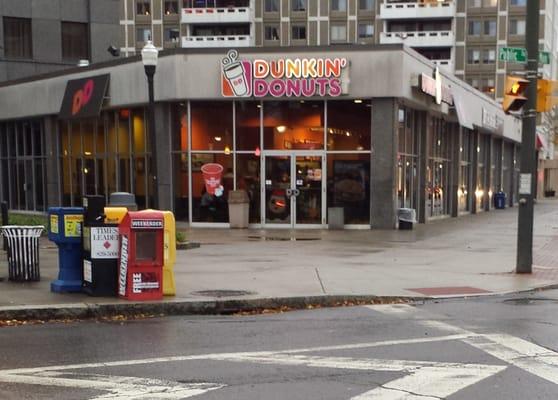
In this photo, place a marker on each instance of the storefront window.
(482, 166)
(212, 179)
(464, 189)
(212, 125)
(438, 170)
(100, 156)
(407, 164)
(248, 125)
(22, 160)
(180, 161)
(296, 125)
(348, 186)
(348, 125)
(248, 178)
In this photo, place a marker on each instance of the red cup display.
(212, 176)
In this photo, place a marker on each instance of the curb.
(210, 307)
(223, 307)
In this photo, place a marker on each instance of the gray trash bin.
(123, 199)
(406, 218)
(23, 252)
(239, 206)
(336, 218)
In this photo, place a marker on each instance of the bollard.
(4, 211)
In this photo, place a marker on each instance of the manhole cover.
(222, 293)
(528, 302)
(283, 239)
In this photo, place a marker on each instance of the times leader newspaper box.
(140, 264)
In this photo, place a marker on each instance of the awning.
(460, 103)
(540, 142)
(84, 97)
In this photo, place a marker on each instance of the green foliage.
(180, 237)
(27, 219)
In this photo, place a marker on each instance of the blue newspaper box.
(499, 200)
(64, 229)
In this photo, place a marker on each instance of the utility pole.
(528, 162)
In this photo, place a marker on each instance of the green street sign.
(513, 54)
(544, 57)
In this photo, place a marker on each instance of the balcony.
(419, 38)
(215, 15)
(424, 9)
(217, 41)
(446, 65)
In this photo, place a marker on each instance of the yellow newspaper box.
(114, 215)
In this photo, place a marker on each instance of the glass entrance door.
(293, 189)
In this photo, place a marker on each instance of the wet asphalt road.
(488, 348)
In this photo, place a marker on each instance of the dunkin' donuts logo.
(82, 96)
(284, 77)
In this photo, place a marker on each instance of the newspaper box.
(141, 256)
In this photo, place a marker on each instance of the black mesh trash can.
(23, 252)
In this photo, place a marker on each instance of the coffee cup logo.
(236, 76)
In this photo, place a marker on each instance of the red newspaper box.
(141, 256)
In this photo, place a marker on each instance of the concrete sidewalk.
(246, 269)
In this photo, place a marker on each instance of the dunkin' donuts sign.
(283, 77)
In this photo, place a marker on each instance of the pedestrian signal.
(514, 94)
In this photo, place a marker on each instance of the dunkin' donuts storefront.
(302, 131)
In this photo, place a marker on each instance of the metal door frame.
(293, 154)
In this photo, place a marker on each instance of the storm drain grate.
(282, 239)
(223, 293)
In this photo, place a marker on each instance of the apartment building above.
(43, 36)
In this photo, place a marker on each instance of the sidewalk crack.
(320, 280)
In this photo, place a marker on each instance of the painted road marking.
(118, 387)
(423, 380)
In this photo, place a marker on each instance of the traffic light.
(514, 94)
(544, 90)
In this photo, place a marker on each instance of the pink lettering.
(322, 86)
(334, 87)
(308, 87)
(293, 88)
(277, 88)
(261, 88)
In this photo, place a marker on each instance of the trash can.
(336, 217)
(23, 252)
(406, 218)
(239, 205)
(499, 200)
(123, 199)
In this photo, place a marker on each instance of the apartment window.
(490, 3)
(171, 7)
(271, 32)
(490, 28)
(338, 5)
(489, 56)
(271, 5)
(299, 5)
(474, 82)
(517, 27)
(366, 4)
(143, 34)
(475, 3)
(473, 56)
(488, 86)
(338, 33)
(518, 3)
(365, 31)
(298, 32)
(474, 28)
(143, 7)
(75, 41)
(17, 38)
(172, 34)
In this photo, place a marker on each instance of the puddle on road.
(528, 301)
(223, 293)
(282, 239)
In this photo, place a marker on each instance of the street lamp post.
(149, 55)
